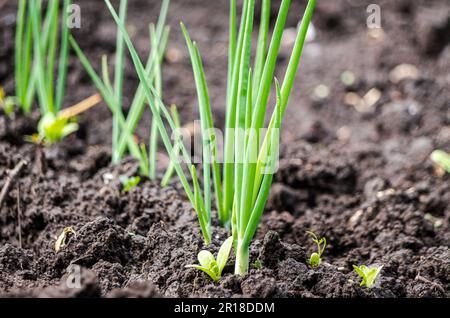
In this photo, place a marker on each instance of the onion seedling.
(158, 110)
(36, 54)
(171, 169)
(209, 265)
(250, 157)
(123, 128)
(316, 258)
(442, 159)
(36, 63)
(368, 274)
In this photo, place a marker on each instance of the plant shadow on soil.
(362, 180)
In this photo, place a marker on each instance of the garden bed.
(361, 179)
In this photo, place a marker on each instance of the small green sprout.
(128, 183)
(316, 258)
(41, 54)
(368, 274)
(6, 103)
(442, 159)
(8, 106)
(257, 264)
(52, 128)
(210, 265)
(437, 223)
(63, 238)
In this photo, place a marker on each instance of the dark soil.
(362, 180)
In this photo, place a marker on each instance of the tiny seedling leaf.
(206, 259)
(257, 264)
(224, 254)
(442, 159)
(369, 275)
(128, 183)
(52, 129)
(209, 265)
(6, 103)
(316, 258)
(205, 270)
(62, 239)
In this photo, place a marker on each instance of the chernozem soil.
(361, 179)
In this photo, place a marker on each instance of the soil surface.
(360, 176)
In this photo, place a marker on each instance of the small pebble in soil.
(363, 104)
(375, 35)
(344, 134)
(173, 55)
(348, 78)
(404, 71)
(321, 92)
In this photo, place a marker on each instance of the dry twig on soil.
(10, 178)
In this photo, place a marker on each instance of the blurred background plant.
(123, 137)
